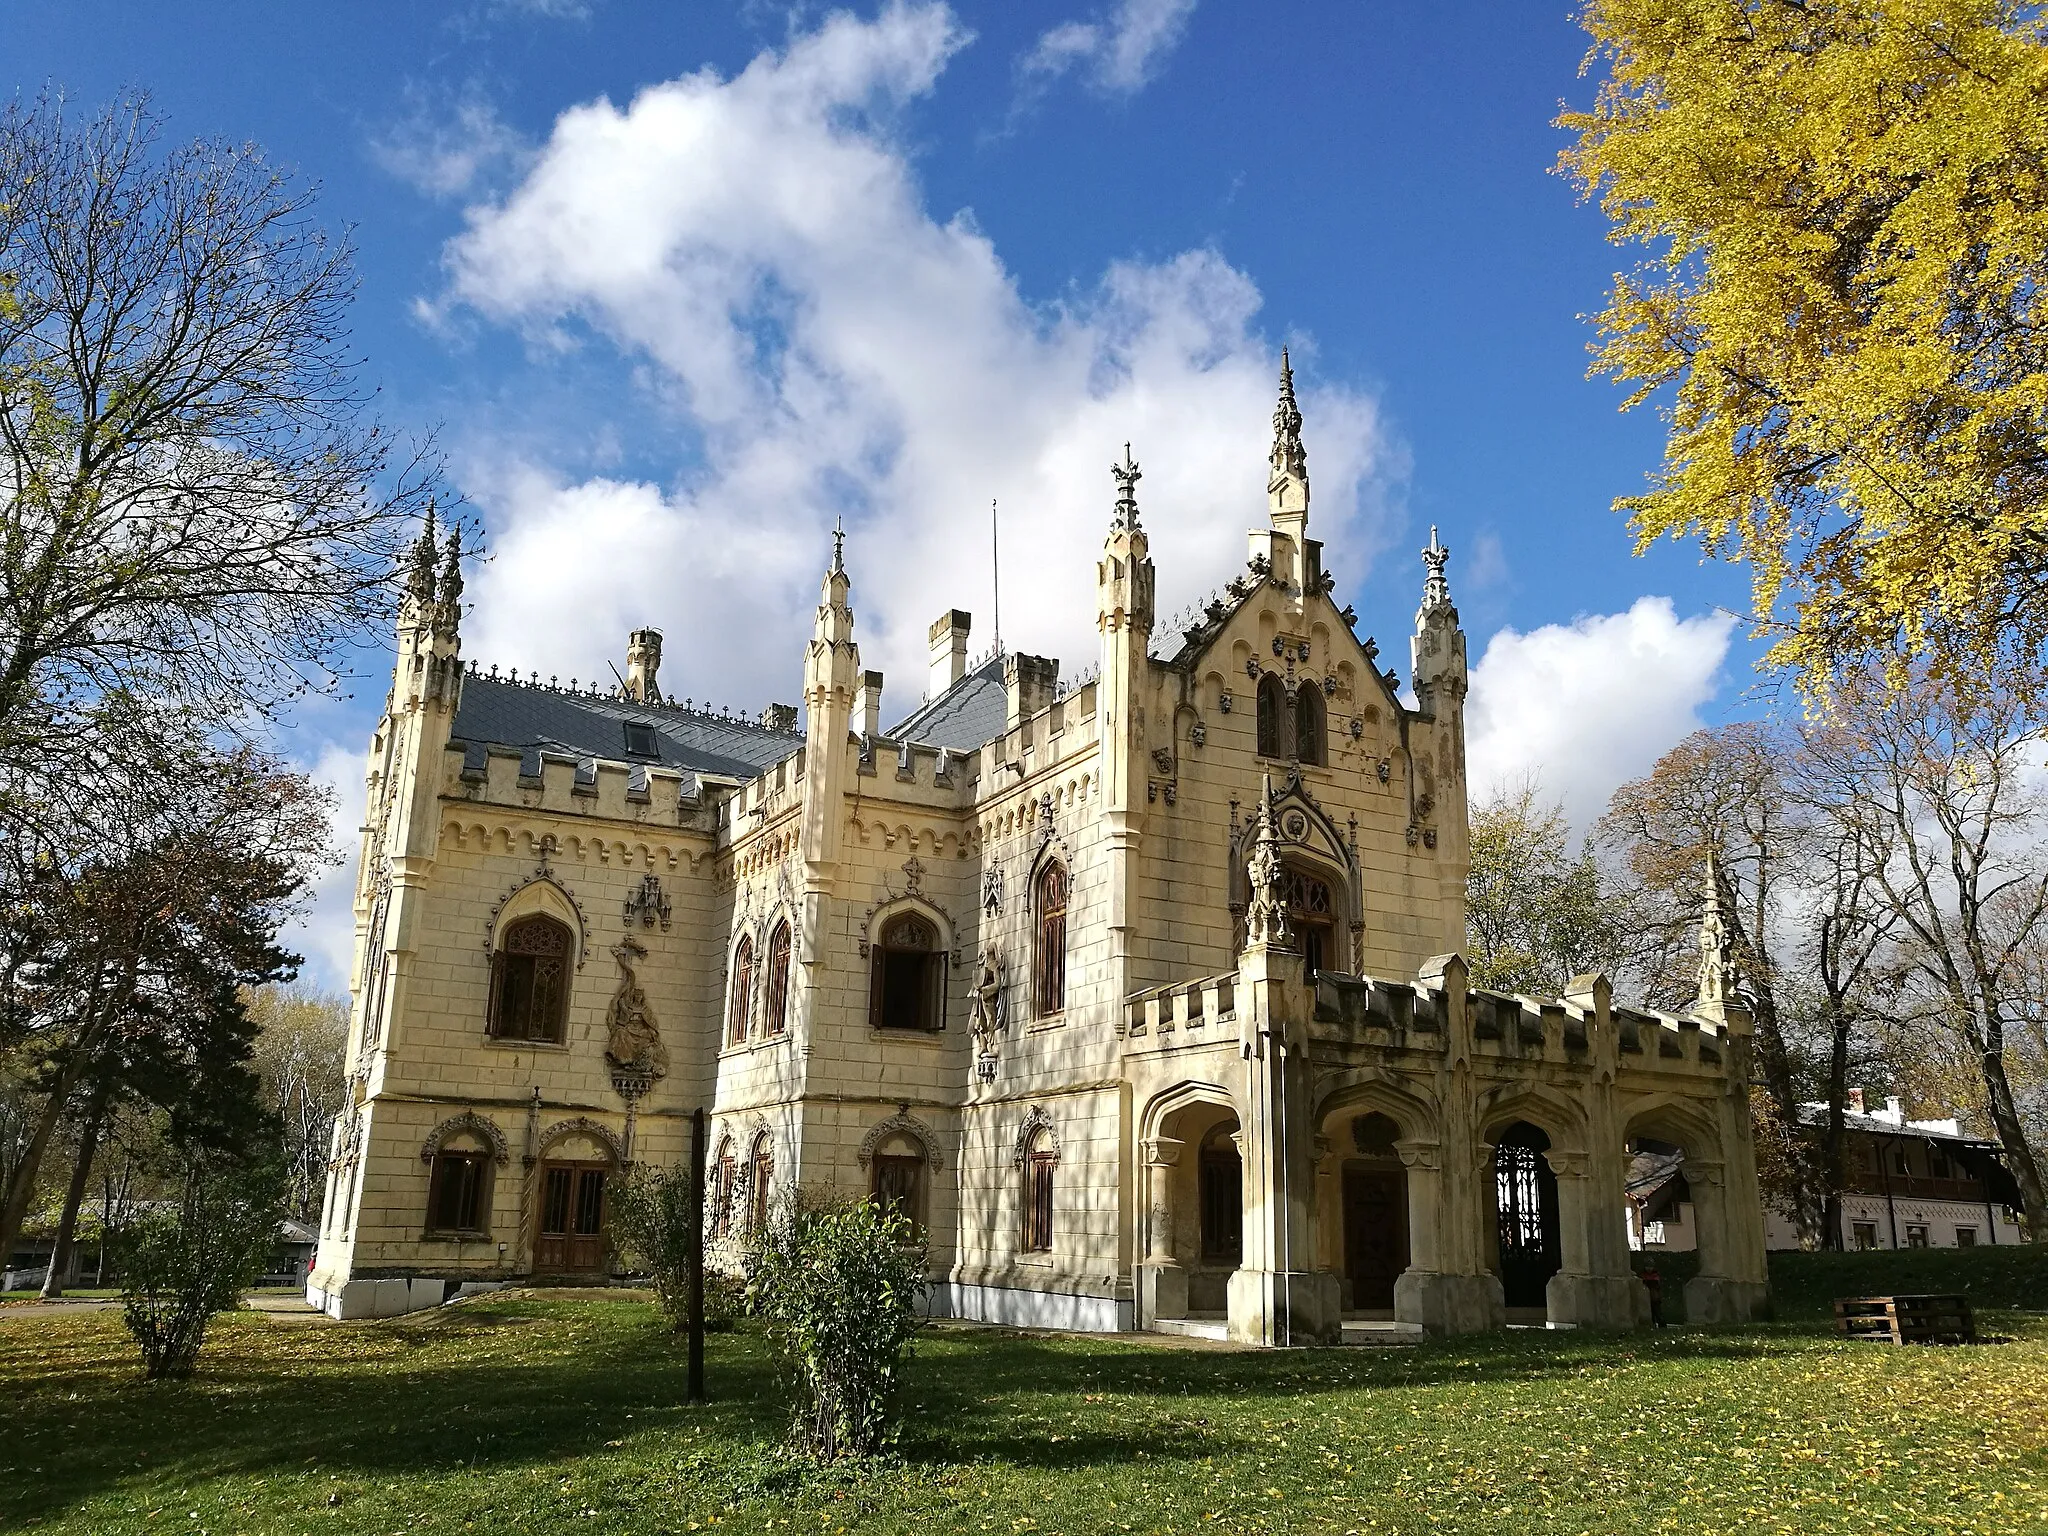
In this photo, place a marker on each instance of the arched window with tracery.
(742, 998)
(1272, 717)
(1309, 735)
(896, 1177)
(1040, 1159)
(1049, 961)
(725, 1178)
(775, 1015)
(530, 981)
(907, 975)
(1312, 914)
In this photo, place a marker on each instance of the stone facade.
(1142, 992)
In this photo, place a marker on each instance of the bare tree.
(1933, 776)
(194, 504)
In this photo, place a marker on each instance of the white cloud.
(758, 246)
(1119, 51)
(1585, 707)
(326, 935)
(445, 148)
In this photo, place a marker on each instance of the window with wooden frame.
(760, 1191)
(1312, 914)
(775, 1015)
(530, 981)
(725, 1174)
(1049, 959)
(1272, 717)
(1222, 1190)
(907, 976)
(1310, 739)
(742, 993)
(1039, 1161)
(456, 1192)
(896, 1178)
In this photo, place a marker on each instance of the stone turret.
(1124, 579)
(643, 663)
(833, 688)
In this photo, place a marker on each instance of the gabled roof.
(971, 713)
(505, 714)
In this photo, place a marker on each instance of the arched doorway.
(572, 1191)
(1525, 1197)
(1375, 1195)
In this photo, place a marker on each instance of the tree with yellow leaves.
(1843, 311)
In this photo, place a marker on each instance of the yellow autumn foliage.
(1845, 205)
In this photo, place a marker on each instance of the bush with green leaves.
(838, 1282)
(652, 1211)
(179, 1266)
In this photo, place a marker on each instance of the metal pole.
(995, 565)
(696, 1386)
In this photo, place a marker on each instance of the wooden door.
(572, 1211)
(1375, 1235)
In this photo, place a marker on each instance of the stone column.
(1162, 1282)
(1714, 1295)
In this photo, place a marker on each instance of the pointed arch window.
(1312, 914)
(1049, 970)
(725, 1178)
(906, 976)
(530, 981)
(742, 993)
(1310, 737)
(1272, 717)
(775, 1016)
(1040, 1159)
(761, 1190)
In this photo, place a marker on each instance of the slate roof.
(971, 713)
(503, 714)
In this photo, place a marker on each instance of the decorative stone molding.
(469, 1122)
(603, 1135)
(904, 1123)
(1039, 1119)
(541, 876)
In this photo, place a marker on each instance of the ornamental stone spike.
(1127, 476)
(419, 585)
(1436, 588)
(1290, 457)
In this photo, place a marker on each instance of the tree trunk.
(63, 1257)
(1832, 1138)
(2012, 1136)
(14, 1210)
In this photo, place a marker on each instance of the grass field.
(538, 1413)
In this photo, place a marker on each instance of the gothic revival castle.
(1141, 996)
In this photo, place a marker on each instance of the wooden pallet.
(1906, 1319)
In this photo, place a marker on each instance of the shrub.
(839, 1282)
(651, 1214)
(180, 1267)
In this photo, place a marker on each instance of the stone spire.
(448, 607)
(1290, 458)
(1436, 587)
(1127, 477)
(1717, 978)
(419, 582)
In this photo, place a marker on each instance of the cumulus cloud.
(757, 250)
(1584, 707)
(1118, 52)
(444, 148)
(325, 934)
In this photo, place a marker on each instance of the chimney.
(1030, 682)
(643, 660)
(949, 648)
(1894, 1110)
(869, 712)
(1855, 1105)
(780, 718)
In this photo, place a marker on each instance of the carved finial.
(1717, 951)
(1436, 590)
(420, 584)
(1266, 912)
(838, 545)
(451, 584)
(1127, 477)
(1289, 456)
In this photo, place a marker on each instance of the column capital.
(1162, 1151)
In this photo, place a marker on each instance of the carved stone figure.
(985, 1018)
(632, 1038)
(1266, 913)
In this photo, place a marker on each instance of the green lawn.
(538, 1414)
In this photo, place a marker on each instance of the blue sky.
(678, 284)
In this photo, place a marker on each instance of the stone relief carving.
(907, 1124)
(988, 1010)
(649, 904)
(471, 1123)
(633, 1047)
